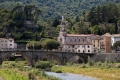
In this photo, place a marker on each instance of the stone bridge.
(31, 56)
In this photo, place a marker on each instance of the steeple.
(63, 27)
(62, 18)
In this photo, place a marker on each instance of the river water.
(69, 76)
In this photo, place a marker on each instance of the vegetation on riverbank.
(103, 71)
(17, 70)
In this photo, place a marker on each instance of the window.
(88, 50)
(83, 46)
(10, 40)
(10, 44)
(73, 46)
(79, 40)
(83, 51)
(88, 46)
(70, 40)
(78, 50)
(75, 40)
(83, 40)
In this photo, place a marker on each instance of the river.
(70, 76)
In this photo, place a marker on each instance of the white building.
(74, 42)
(115, 38)
(7, 44)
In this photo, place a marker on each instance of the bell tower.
(63, 28)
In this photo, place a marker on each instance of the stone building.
(79, 43)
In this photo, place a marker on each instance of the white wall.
(114, 39)
(6, 43)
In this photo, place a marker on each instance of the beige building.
(7, 44)
(96, 44)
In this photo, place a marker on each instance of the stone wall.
(112, 57)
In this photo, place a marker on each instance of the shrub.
(56, 69)
(31, 76)
(44, 64)
(69, 63)
(83, 65)
(98, 64)
(90, 62)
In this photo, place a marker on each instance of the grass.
(103, 74)
(15, 70)
(102, 71)
(11, 75)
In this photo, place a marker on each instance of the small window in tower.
(60, 39)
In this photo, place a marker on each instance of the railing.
(57, 51)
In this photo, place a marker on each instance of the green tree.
(96, 30)
(50, 44)
(116, 45)
(56, 22)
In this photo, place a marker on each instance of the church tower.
(63, 28)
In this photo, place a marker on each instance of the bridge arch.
(29, 61)
(78, 58)
(50, 56)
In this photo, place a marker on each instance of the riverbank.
(14, 70)
(99, 70)
(102, 74)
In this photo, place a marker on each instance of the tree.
(77, 19)
(96, 30)
(56, 22)
(50, 44)
(116, 45)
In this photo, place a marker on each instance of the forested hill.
(56, 8)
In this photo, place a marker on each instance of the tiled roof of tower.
(107, 35)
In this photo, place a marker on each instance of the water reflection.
(69, 76)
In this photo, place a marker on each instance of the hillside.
(56, 8)
(20, 19)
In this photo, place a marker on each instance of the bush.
(31, 76)
(69, 63)
(99, 64)
(83, 65)
(56, 69)
(90, 62)
(44, 64)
